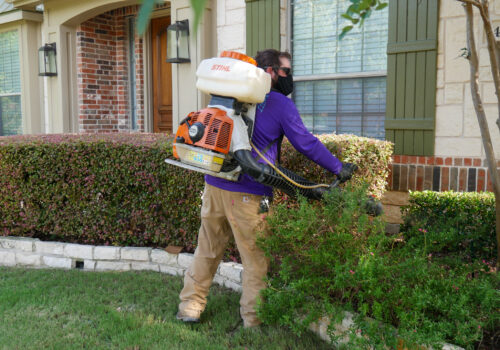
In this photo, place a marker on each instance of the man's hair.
(270, 58)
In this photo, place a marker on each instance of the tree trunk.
(481, 117)
(492, 51)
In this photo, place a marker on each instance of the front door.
(162, 77)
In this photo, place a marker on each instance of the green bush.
(105, 189)
(372, 157)
(343, 260)
(453, 223)
(116, 189)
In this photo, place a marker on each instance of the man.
(233, 207)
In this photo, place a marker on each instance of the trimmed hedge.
(450, 222)
(372, 157)
(116, 189)
(104, 189)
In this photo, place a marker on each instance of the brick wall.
(103, 73)
(439, 174)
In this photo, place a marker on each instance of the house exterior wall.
(62, 20)
(231, 25)
(459, 162)
(285, 25)
(95, 25)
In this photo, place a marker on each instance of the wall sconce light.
(47, 60)
(178, 42)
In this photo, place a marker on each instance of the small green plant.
(343, 260)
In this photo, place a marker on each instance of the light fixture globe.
(178, 42)
(47, 66)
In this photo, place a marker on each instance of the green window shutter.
(263, 25)
(411, 76)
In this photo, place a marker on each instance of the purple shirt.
(277, 116)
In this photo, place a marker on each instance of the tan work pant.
(222, 213)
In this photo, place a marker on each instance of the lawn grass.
(73, 309)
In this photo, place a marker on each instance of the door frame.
(147, 40)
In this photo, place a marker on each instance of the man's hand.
(346, 173)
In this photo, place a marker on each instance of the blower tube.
(266, 175)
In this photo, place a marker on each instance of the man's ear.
(269, 70)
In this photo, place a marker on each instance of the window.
(10, 85)
(339, 85)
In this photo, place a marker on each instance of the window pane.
(10, 84)
(10, 72)
(347, 106)
(355, 106)
(10, 115)
(316, 50)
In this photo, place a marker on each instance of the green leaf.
(366, 14)
(148, 6)
(365, 5)
(144, 15)
(198, 8)
(345, 30)
(346, 16)
(381, 6)
(352, 9)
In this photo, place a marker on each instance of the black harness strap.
(279, 140)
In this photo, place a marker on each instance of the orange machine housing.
(218, 130)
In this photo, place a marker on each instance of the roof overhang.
(19, 15)
(25, 4)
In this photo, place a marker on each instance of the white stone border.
(31, 252)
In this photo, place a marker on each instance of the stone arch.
(76, 13)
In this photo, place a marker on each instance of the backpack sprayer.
(217, 140)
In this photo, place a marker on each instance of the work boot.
(188, 316)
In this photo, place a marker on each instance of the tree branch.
(471, 2)
(493, 51)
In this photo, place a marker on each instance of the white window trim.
(337, 76)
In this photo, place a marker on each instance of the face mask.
(285, 84)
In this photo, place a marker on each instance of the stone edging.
(31, 252)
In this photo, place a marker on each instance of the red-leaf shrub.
(97, 189)
(116, 189)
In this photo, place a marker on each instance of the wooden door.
(162, 77)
